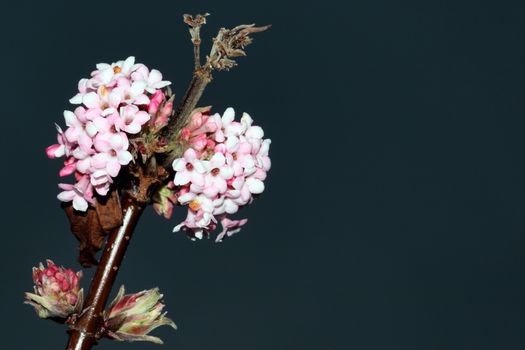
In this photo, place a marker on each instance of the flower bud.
(165, 114)
(132, 317)
(156, 99)
(57, 291)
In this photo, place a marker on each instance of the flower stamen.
(195, 205)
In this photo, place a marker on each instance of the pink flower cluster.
(115, 102)
(221, 171)
(57, 291)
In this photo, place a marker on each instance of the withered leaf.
(87, 229)
(109, 211)
(91, 227)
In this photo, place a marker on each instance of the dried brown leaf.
(91, 227)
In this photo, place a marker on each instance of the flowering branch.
(126, 148)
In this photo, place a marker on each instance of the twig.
(195, 25)
(228, 44)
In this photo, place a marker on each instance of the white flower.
(189, 169)
(153, 80)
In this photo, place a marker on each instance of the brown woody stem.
(182, 115)
(85, 331)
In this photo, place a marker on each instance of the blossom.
(113, 154)
(69, 167)
(215, 180)
(57, 291)
(221, 171)
(132, 93)
(262, 158)
(102, 102)
(230, 227)
(226, 126)
(110, 111)
(131, 119)
(63, 147)
(80, 193)
(152, 79)
(189, 169)
(132, 317)
(199, 222)
(107, 74)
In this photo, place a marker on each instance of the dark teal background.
(394, 212)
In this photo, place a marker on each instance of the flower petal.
(182, 178)
(91, 100)
(254, 185)
(80, 204)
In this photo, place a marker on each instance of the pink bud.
(132, 317)
(210, 144)
(57, 292)
(156, 99)
(185, 134)
(196, 121)
(199, 142)
(67, 170)
(165, 113)
(50, 151)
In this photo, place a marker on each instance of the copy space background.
(394, 212)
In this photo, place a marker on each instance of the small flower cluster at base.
(221, 171)
(57, 291)
(132, 317)
(114, 105)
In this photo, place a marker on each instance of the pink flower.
(254, 185)
(57, 291)
(152, 79)
(197, 224)
(226, 126)
(262, 158)
(189, 169)
(242, 160)
(101, 181)
(113, 154)
(62, 148)
(215, 180)
(131, 119)
(76, 132)
(80, 193)
(82, 88)
(132, 92)
(107, 74)
(69, 167)
(102, 102)
(229, 227)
